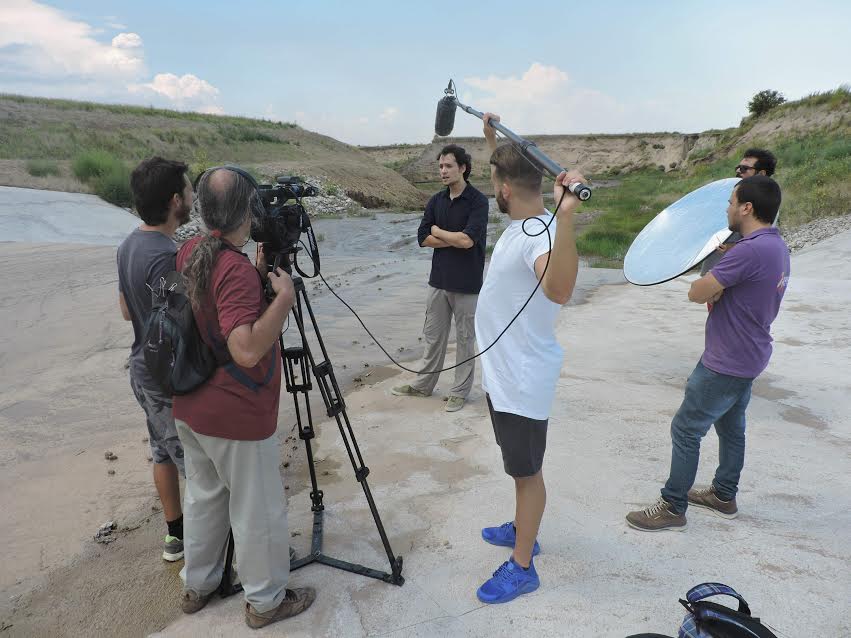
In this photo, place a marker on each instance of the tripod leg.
(227, 587)
(336, 408)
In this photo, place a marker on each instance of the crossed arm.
(448, 238)
(707, 289)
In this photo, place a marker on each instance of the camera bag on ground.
(711, 620)
(176, 356)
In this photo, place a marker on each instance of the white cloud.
(541, 100)
(40, 43)
(43, 51)
(185, 92)
(180, 90)
(539, 82)
(389, 113)
(127, 41)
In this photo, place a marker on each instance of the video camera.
(279, 224)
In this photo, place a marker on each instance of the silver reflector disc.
(681, 236)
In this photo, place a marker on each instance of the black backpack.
(176, 356)
(711, 620)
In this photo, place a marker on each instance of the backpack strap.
(707, 590)
(233, 370)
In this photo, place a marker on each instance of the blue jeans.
(710, 398)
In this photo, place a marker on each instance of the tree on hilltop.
(764, 101)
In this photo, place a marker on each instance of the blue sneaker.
(505, 536)
(508, 582)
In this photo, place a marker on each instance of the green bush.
(42, 168)
(764, 101)
(92, 164)
(113, 186)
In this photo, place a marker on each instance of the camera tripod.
(298, 362)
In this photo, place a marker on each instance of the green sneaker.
(172, 549)
(453, 404)
(407, 391)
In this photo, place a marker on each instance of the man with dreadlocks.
(228, 424)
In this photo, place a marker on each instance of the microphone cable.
(545, 229)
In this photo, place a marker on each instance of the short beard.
(735, 227)
(502, 203)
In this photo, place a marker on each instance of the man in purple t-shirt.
(745, 289)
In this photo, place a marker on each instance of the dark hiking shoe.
(192, 601)
(656, 518)
(407, 391)
(708, 499)
(295, 602)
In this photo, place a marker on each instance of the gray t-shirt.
(143, 258)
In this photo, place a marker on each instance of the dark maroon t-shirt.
(235, 403)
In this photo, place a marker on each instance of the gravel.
(815, 231)
(337, 205)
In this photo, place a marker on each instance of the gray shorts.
(162, 433)
(522, 441)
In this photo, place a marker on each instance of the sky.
(371, 72)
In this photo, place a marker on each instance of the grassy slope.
(47, 129)
(814, 171)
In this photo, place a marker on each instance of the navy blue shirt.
(457, 269)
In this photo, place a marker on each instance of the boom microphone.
(444, 121)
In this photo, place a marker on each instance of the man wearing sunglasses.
(755, 161)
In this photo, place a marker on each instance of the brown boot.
(192, 601)
(656, 518)
(295, 602)
(708, 499)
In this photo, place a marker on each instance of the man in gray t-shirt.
(144, 257)
(755, 161)
(163, 198)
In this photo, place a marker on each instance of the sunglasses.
(741, 168)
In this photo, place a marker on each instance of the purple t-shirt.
(754, 274)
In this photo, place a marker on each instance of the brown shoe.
(192, 601)
(295, 602)
(708, 499)
(656, 518)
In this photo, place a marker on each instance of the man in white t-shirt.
(519, 373)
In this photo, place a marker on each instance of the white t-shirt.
(521, 371)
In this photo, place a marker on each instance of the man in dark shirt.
(163, 197)
(455, 226)
(755, 161)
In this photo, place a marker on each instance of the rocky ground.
(815, 231)
(332, 202)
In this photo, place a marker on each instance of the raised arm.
(560, 277)
(489, 131)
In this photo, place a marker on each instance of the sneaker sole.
(406, 394)
(525, 590)
(172, 558)
(672, 528)
(717, 512)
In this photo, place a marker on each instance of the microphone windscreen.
(444, 120)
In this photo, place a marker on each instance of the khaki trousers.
(441, 307)
(235, 485)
